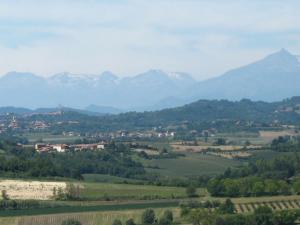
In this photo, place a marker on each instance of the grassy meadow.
(190, 165)
(109, 191)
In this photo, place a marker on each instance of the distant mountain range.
(26, 111)
(273, 78)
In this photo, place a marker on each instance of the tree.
(258, 188)
(72, 191)
(271, 187)
(4, 195)
(167, 218)
(168, 215)
(296, 187)
(285, 218)
(130, 222)
(232, 188)
(164, 221)
(215, 187)
(71, 222)
(263, 215)
(117, 222)
(191, 191)
(201, 217)
(148, 217)
(220, 141)
(227, 207)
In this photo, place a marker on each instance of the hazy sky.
(201, 37)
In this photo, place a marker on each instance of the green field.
(49, 138)
(107, 191)
(104, 178)
(95, 207)
(89, 218)
(190, 165)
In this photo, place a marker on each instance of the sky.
(202, 37)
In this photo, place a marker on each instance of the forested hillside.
(203, 114)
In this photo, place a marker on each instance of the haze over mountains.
(271, 79)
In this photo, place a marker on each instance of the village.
(47, 148)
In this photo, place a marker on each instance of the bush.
(191, 191)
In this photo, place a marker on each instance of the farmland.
(18, 189)
(96, 218)
(190, 165)
(41, 190)
(104, 191)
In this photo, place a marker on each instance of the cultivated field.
(270, 135)
(202, 148)
(190, 165)
(18, 189)
(274, 205)
(107, 191)
(232, 155)
(96, 218)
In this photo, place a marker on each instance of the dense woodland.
(22, 162)
(223, 115)
(263, 177)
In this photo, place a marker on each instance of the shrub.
(191, 191)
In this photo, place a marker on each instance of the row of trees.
(249, 186)
(262, 177)
(281, 167)
(261, 216)
(149, 218)
(286, 144)
(216, 213)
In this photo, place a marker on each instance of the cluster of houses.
(42, 147)
(39, 125)
(131, 134)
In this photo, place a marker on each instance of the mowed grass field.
(90, 218)
(107, 191)
(49, 138)
(191, 165)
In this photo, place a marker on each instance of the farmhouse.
(60, 147)
(81, 147)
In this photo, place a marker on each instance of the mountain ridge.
(275, 77)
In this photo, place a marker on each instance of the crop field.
(49, 138)
(42, 190)
(107, 191)
(270, 135)
(95, 218)
(232, 155)
(247, 205)
(190, 165)
(201, 148)
(104, 178)
(274, 205)
(19, 189)
(239, 138)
